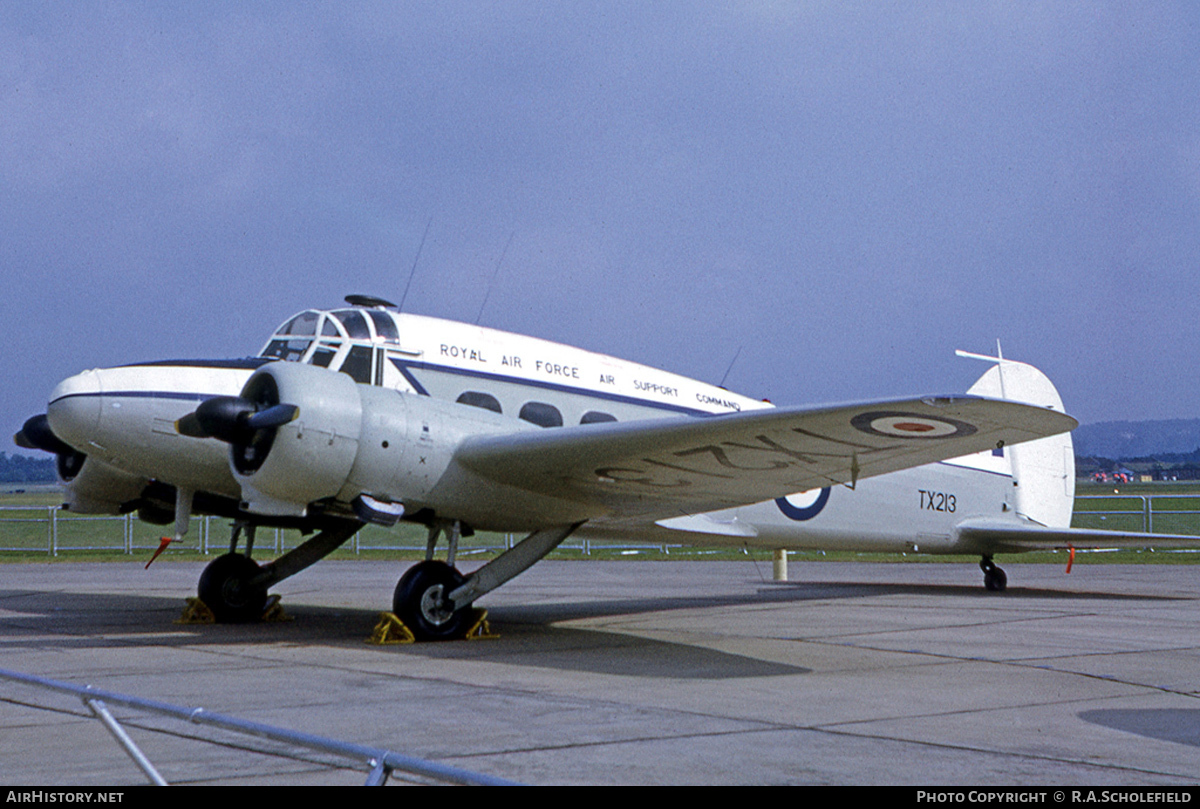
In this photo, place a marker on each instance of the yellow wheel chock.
(197, 612)
(391, 629)
(273, 612)
(480, 629)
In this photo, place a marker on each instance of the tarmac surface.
(631, 673)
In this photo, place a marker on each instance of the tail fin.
(1043, 470)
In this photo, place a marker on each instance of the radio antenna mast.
(413, 271)
(495, 273)
(736, 354)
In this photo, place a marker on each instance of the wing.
(994, 536)
(664, 467)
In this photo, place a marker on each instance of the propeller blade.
(233, 419)
(190, 426)
(36, 434)
(220, 417)
(275, 416)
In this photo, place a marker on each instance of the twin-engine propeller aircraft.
(365, 415)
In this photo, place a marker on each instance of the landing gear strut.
(235, 587)
(994, 578)
(434, 600)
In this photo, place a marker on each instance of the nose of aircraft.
(74, 409)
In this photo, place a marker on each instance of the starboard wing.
(664, 467)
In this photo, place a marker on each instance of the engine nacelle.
(283, 469)
(346, 439)
(98, 488)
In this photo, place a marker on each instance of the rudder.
(1043, 470)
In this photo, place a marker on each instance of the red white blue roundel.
(895, 424)
(805, 505)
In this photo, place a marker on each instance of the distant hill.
(1137, 439)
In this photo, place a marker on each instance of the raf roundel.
(893, 424)
(804, 505)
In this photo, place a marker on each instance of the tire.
(224, 590)
(418, 602)
(995, 580)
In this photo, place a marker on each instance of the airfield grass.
(25, 534)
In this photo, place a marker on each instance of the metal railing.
(53, 530)
(378, 762)
(1144, 512)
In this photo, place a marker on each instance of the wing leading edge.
(665, 467)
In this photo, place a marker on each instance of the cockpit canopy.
(340, 339)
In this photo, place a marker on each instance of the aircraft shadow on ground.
(527, 637)
(530, 634)
(1179, 725)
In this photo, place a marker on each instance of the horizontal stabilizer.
(1001, 536)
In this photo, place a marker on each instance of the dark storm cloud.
(850, 192)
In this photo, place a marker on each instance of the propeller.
(36, 434)
(247, 422)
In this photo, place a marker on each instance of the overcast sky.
(847, 192)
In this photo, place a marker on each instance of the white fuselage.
(125, 419)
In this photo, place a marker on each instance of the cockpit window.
(329, 328)
(324, 355)
(302, 325)
(596, 417)
(286, 350)
(385, 327)
(355, 323)
(358, 364)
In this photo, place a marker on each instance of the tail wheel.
(422, 602)
(225, 588)
(994, 578)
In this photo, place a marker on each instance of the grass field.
(32, 529)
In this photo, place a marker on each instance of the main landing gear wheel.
(421, 602)
(225, 590)
(994, 579)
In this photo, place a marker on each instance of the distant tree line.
(20, 469)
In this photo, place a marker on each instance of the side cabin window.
(477, 399)
(286, 350)
(541, 414)
(596, 417)
(359, 364)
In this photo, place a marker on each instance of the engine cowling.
(284, 467)
(300, 434)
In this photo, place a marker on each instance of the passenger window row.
(539, 413)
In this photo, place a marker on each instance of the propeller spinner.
(36, 434)
(247, 422)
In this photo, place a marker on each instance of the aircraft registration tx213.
(365, 415)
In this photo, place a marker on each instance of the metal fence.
(1148, 513)
(378, 762)
(53, 530)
